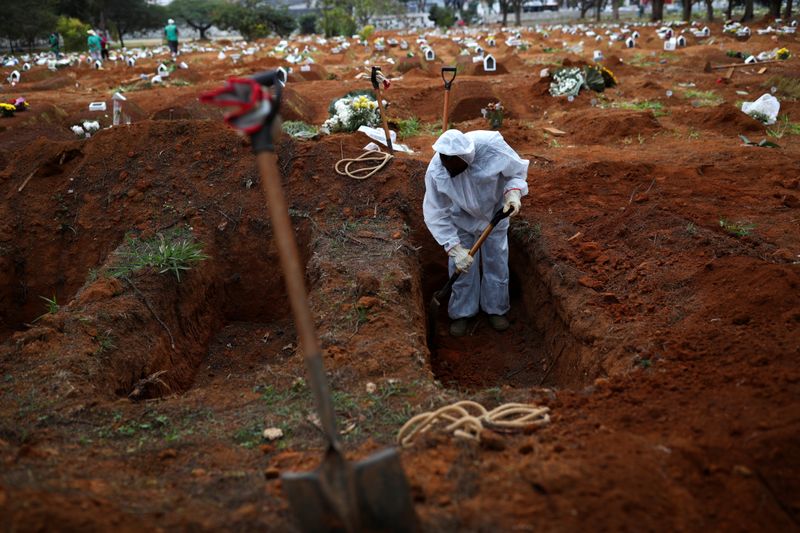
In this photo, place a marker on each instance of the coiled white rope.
(466, 419)
(364, 172)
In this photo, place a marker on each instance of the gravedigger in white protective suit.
(471, 176)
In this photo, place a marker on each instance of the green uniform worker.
(95, 45)
(54, 44)
(171, 33)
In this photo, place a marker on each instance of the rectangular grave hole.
(537, 350)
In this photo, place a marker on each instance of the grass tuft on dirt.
(174, 252)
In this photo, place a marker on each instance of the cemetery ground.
(655, 288)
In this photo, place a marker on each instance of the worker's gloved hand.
(512, 202)
(461, 257)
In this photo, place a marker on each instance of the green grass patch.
(657, 108)
(409, 127)
(737, 229)
(299, 129)
(703, 98)
(787, 87)
(174, 252)
(783, 127)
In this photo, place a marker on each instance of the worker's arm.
(436, 210)
(515, 172)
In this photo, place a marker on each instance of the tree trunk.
(729, 11)
(518, 12)
(585, 6)
(710, 10)
(775, 9)
(119, 36)
(505, 18)
(658, 10)
(687, 10)
(615, 9)
(788, 10)
(203, 30)
(598, 9)
(748, 11)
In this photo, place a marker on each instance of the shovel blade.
(384, 496)
(382, 500)
(311, 508)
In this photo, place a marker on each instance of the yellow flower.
(783, 53)
(7, 107)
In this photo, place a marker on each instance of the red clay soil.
(655, 273)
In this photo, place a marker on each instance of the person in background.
(54, 44)
(171, 33)
(104, 45)
(95, 46)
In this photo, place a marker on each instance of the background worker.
(54, 44)
(470, 177)
(95, 46)
(171, 34)
(104, 45)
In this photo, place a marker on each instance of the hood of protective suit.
(453, 142)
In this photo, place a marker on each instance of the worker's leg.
(494, 285)
(465, 297)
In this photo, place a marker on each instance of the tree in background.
(337, 18)
(129, 16)
(658, 10)
(27, 21)
(444, 17)
(200, 15)
(748, 11)
(254, 19)
(308, 23)
(73, 31)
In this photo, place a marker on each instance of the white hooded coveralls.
(457, 210)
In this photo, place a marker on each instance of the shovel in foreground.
(372, 494)
(441, 295)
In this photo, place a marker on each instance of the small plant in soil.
(175, 252)
(784, 127)
(51, 307)
(786, 86)
(105, 342)
(408, 127)
(525, 231)
(703, 98)
(299, 129)
(691, 229)
(737, 229)
(759, 116)
(694, 134)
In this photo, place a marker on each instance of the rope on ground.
(466, 419)
(365, 172)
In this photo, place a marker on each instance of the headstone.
(117, 100)
(489, 64)
(429, 54)
(630, 42)
(282, 75)
(131, 61)
(681, 41)
(13, 78)
(97, 106)
(670, 44)
(26, 66)
(597, 56)
(635, 35)
(491, 43)
(98, 64)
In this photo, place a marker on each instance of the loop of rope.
(363, 172)
(466, 419)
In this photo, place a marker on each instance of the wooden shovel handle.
(384, 121)
(445, 113)
(296, 288)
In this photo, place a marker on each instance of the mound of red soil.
(599, 126)
(724, 119)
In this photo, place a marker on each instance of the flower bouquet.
(351, 112)
(7, 110)
(567, 82)
(493, 112)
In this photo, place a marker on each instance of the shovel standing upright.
(448, 83)
(376, 84)
(441, 295)
(372, 494)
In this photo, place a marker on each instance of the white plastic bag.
(767, 105)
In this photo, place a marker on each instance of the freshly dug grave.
(664, 342)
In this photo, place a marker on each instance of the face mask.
(454, 165)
